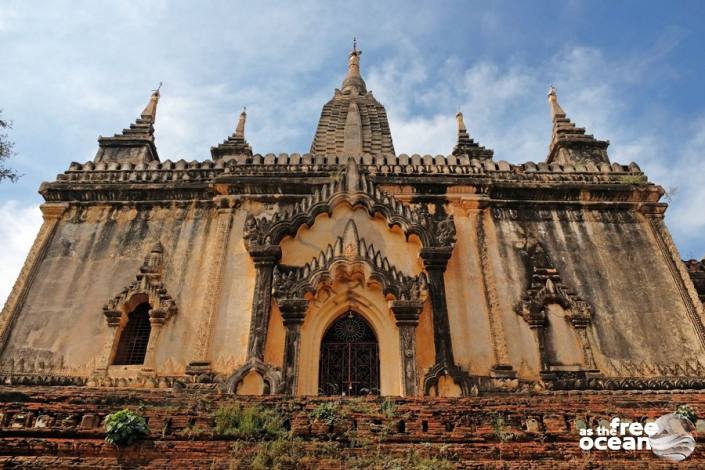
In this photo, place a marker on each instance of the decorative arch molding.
(349, 258)
(352, 186)
(432, 379)
(147, 288)
(271, 376)
(346, 257)
(546, 288)
(370, 306)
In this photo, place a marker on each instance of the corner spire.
(240, 129)
(235, 144)
(570, 144)
(556, 110)
(353, 80)
(467, 146)
(136, 143)
(150, 111)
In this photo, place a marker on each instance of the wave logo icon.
(674, 439)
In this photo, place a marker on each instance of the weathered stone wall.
(613, 262)
(61, 427)
(95, 253)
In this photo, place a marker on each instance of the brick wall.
(62, 427)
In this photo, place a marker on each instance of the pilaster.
(293, 312)
(201, 363)
(407, 314)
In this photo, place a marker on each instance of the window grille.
(349, 363)
(134, 337)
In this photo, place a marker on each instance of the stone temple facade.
(351, 270)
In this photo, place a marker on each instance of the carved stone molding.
(348, 253)
(679, 273)
(459, 376)
(264, 258)
(546, 288)
(51, 213)
(407, 314)
(148, 287)
(435, 260)
(149, 283)
(499, 343)
(293, 312)
(352, 186)
(271, 376)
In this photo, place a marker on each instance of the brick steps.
(61, 427)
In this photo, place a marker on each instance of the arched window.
(134, 337)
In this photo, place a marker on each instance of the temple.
(351, 270)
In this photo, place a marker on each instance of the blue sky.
(629, 71)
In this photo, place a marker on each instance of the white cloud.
(505, 108)
(19, 227)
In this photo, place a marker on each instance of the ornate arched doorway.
(349, 363)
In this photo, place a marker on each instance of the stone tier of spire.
(570, 144)
(235, 144)
(136, 143)
(466, 145)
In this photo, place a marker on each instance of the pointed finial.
(556, 110)
(353, 79)
(150, 111)
(240, 129)
(461, 122)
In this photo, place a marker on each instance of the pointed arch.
(352, 187)
(349, 359)
(350, 256)
(372, 307)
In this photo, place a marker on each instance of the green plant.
(359, 405)
(388, 408)
(501, 430)
(124, 427)
(280, 453)
(326, 412)
(413, 460)
(632, 179)
(685, 411)
(277, 454)
(355, 440)
(251, 422)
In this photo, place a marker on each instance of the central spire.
(353, 80)
(353, 122)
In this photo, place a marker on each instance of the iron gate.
(349, 362)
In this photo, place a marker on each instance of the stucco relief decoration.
(149, 282)
(440, 226)
(349, 254)
(546, 288)
(354, 187)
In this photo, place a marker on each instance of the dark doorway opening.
(349, 362)
(132, 345)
